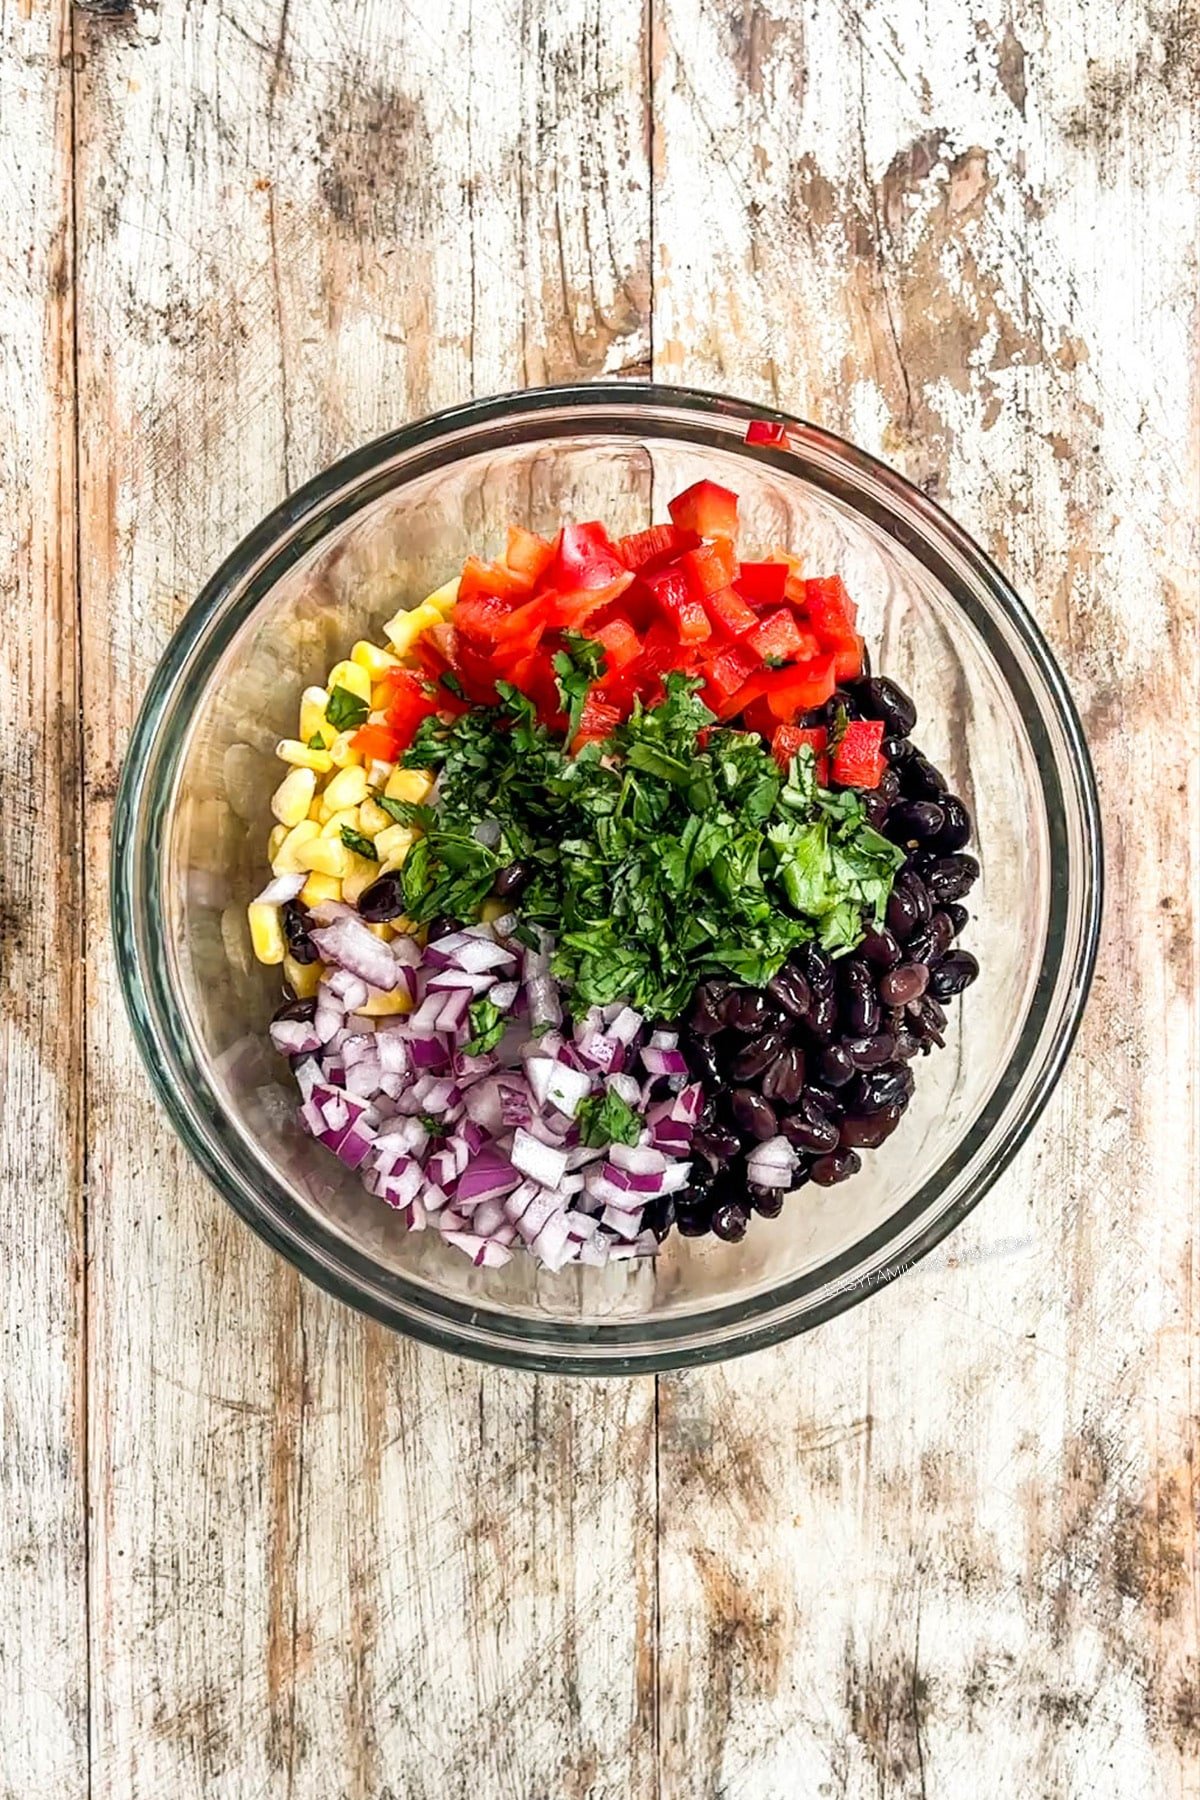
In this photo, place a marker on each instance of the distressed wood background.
(252, 1545)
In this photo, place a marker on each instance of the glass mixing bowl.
(384, 527)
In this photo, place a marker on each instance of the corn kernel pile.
(328, 790)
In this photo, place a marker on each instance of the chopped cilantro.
(576, 666)
(487, 1027)
(607, 1119)
(316, 741)
(345, 711)
(362, 846)
(407, 812)
(449, 680)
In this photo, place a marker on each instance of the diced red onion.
(294, 1037)
(503, 995)
(534, 1215)
(280, 890)
(625, 1026)
(459, 978)
(629, 1183)
(537, 1160)
(664, 1062)
(771, 1164)
(566, 1087)
(623, 1224)
(626, 1088)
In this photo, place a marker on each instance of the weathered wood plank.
(43, 1624)
(328, 1562)
(955, 1531)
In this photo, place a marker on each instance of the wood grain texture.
(956, 1530)
(947, 1545)
(43, 1621)
(328, 1562)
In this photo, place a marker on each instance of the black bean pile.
(823, 1054)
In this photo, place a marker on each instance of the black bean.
(302, 1010)
(784, 1080)
(809, 1129)
(658, 1215)
(513, 880)
(869, 1052)
(889, 787)
(880, 947)
(693, 1221)
(841, 701)
(859, 1133)
(753, 1114)
(746, 1010)
(839, 1165)
(908, 982)
(898, 751)
(956, 829)
(701, 1183)
(756, 1056)
(882, 699)
(914, 821)
(875, 810)
(921, 781)
(891, 1085)
(705, 1014)
(295, 930)
(825, 1098)
(860, 1002)
(718, 1143)
(790, 990)
(729, 1222)
(952, 976)
(907, 1044)
(836, 1066)
(823, 1015)
(440, 927)
(958, 917)
(929, 1021)
(702, 1059)
(816, 968)
(951, 877)
(765, 1200)
(902, 918)
(924, 946)
(383, 900)
(942, 927)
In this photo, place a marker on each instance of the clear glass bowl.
(384, 527)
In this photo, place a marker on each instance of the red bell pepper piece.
(377, 743)
(858, 760)
(831, 612)
(657, 545)
(570, 612)
(762, 583)
(527, 553)
(477, 616)
(678, 605)
(790, 739)
(800, 687)
(776, 636)
(766, 431)
(728, 670)
(705, 507)
(409, 701)
(759, 717)
(621, 643)
(584, 557)
(729, 612)
(598, 720)
(709, 568)
(848, 663)
(495, 579)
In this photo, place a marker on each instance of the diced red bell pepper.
(477, 670)
(377, 743)
(776, 636)
(495, 579)
(657, 545)
(621, 644)
(679, 606)
(848, 663)
(570, 612)
(661, 652)
(790, 739)
(757, 716)
(528, 554)
(705, 507)
(730, 613)
(858, 760)
(584, 557)
(598, 720)
(766, 431)
(729, 669)
(710, 567)
(799, 687)
(762, 583)
(477, 615)
(409, 701)
(831, 612)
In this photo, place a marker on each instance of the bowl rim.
(451, 1324)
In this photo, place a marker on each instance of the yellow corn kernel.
(277, 835)
(313, 702)
(284, 861)
(372, 819)
(383, 931)
(413, 785)
(492, 909)
(320, 887)
(444, 597)
(333, 823)
(292, 798)
(363, 872)
(266, 932)
(395, 843)
(404, 630)
(381, 699)
(291, 750)
(373, 658)
(353, 677)
(347, 788)
(304, 978)
(342, 753)
(328, 856)
(317, 810)
(378, 1003)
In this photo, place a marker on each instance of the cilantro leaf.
(576, 666)
(316, 742)
(346, 711)
(362, 846)
(487, 1027)
(407, 812)
(607, 1119)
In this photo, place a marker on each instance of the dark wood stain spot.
(1010, 66)
(1128, 101)
(887, 1702)
(1149, 1548)
(369, 138)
